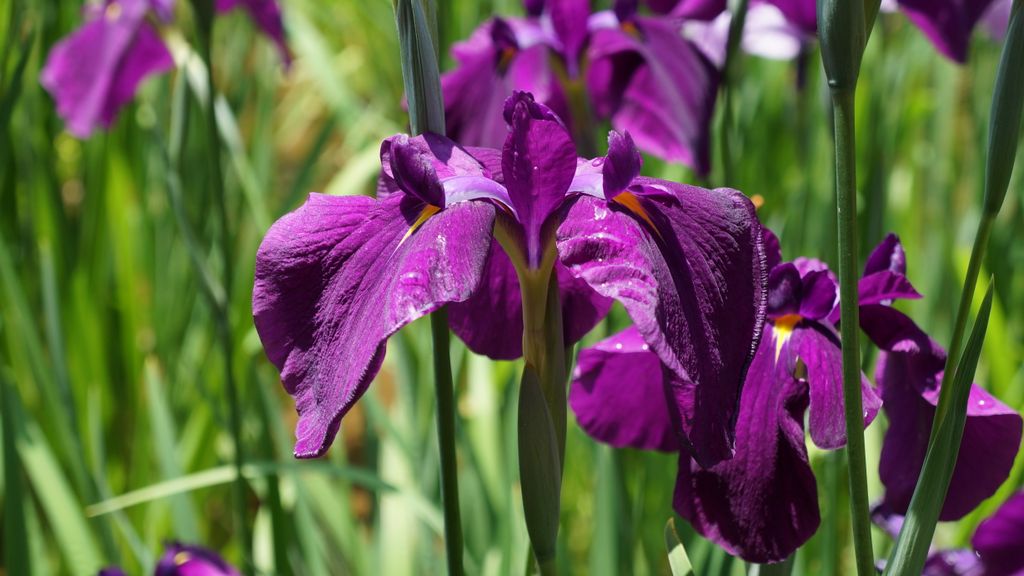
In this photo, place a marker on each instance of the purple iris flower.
(340, 275)
(638, 71)
(186, 560)
(996, 545)
(762, 504)
(97, 69)
(997, 18)
(948, 24)
(909, 375)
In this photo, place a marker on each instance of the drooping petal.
(947, 23)
(688, 265)
(538, 163)
(762, 504)
(337, 277)
(657, 86)
(999, 539)
(188, 560)
(883, 287)
(618, 395)
(817, 346)
(267, 15)
(96, 70)
(498, 301)
(909, 375)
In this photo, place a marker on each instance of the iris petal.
(695, 291)
(334, 281)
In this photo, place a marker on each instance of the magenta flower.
(639, 73)
(96, 70)
(340, 275)
(761, 505)
(909, 375)
(186, 560)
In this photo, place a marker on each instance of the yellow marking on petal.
(631, 29)
(113, 11)
(630, 202)
(757, 200)
(505, 60)
(783, 329)
(428, 211)
(181, 558)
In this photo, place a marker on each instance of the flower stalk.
(222, 308)
(843, 37)
(728, 74)
(417, 34)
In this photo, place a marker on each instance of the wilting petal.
(999, 540)
(185, 560)
(96, 70)
(267, 15)
(947, 23)
(337, 277)
(694, 286)
(817, 346)
(762, 504)
(910, 381)
(618, 395)
(538, 163)
(499, 302)
(658, 87)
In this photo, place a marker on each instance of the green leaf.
(1004, 119)
(912, 546)
(16, 544)
(678, 561)
(419, 67)
(540, 467)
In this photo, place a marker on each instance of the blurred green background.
(113, 387)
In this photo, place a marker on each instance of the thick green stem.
(222, 309)
(446, 440)
(846, 190)
(728, 75)
(418, 37)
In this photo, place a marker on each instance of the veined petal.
(337, 277)
(498, 300)
(1000, 539)
(762, 504)
(96, 70)
(817, 346)
(910, 377)
(694, 287)
(538, 164)
(618, 394)
(657, 86)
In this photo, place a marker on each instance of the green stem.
(418, 38)
(846, 190)
(446, 440)
(963, 311)
(223, 311)
(731, 54)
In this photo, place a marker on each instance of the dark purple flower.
(948, 24)
(639, 72)
(187, 560)
(267, 15)
(909, 375)
(337, 277)
(96, 70)
(762, 504)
